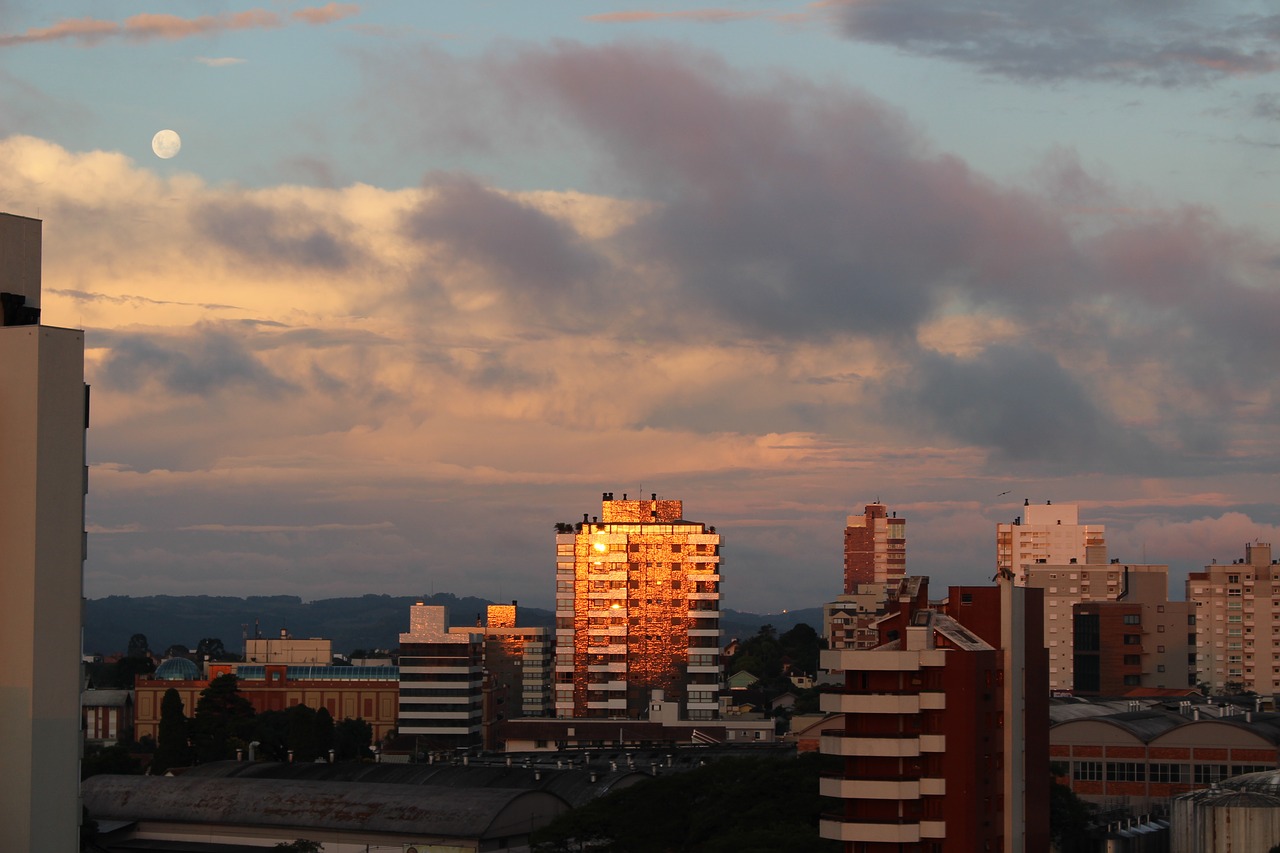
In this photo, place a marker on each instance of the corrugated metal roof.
(408, 809)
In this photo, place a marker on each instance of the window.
(1206, 774)
(1133, 639)
(1133, 660)
(1168, 773)
(1087, 771)
(1133, 680)
(1126, 771)
(1132, 619)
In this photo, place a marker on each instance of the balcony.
(885, 832)
(846, 660)
(869, 789)
(869, 703)
(836, 742)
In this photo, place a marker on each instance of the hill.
(364, 622)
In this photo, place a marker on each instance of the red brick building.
(1141, 758)
(945, 727)
(875, 548)
(370, 693)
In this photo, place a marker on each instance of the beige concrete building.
(1238, 622)
(1161, 660)
(1046, 533)
(43, 479)
(313, 651)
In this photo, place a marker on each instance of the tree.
(177, 650)
(1068, 815)
(744, 805)
(223, 716)
(352, 739)
(210, 648)
(122, 673)
(172, 747)
(564, 527)
(115, 759)
(138, 646)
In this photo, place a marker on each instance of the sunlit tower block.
(875, 548)
(1046, 533)
(637, 609)
(44, 413)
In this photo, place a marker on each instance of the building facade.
(517, 662)
(286, 649)
(1237, 611)
(1046, 533)
(355, 692)
(1158, 657)
(637, 610)
(44, 413)
(441, 681)
(944, 728)
(875, 548)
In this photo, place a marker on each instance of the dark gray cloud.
(1025, 407)
(1147, 43)
(271, 236)
(206, 362)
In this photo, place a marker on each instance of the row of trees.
(225, 722)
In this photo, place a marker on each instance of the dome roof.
(177, 669)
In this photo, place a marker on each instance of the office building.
(944, 727)
(44, 412)
(637, 610)
(1046, 533)
(441, 681)
(875, 548)
(1238, 623)
(1140, 642)
(287, 649)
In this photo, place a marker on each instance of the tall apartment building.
(44, 412)
(944, 737)
(1158, 656)
(517, 661)
(875, 548)
(1238, 622)
(441, 681)
(1046, 533)
(637, 609)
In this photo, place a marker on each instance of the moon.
(166, 144)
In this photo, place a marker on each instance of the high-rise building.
(1150, 651)
(637, 610)
(1046, 533)
(441, 681)
(945, 729)
(1238, 622)
(517, 664)
(44, 412)
(875, 548)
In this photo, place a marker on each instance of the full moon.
(166, 144)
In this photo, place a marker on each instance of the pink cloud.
(714, 16)
(326, 14)
(143, 27)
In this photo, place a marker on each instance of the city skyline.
(421, 282)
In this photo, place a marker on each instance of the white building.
(43, 479)
(1046, 533)
(441, 680)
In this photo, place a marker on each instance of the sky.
(427, 278)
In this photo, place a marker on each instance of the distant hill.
(366, 622)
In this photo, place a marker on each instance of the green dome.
(177, 669)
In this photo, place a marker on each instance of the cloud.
(220, 61)
(769, 297)
(1143, 43)
(144, 27)
(706, 16)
